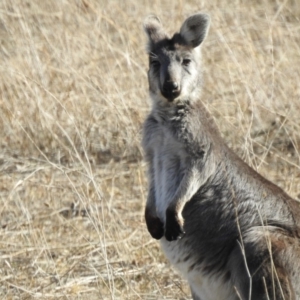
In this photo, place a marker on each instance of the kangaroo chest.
(169, 167)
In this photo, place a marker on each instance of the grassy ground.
(73, 96)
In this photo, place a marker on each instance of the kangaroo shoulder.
(151, 132)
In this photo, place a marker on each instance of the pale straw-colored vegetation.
(73, 96)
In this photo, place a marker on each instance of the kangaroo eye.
(186, 62)
(155, 63)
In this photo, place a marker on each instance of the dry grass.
(73, 97)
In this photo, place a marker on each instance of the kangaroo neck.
(170, 111)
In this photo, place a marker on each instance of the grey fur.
(232, 233)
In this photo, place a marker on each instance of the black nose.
(170, 90)
(169, 86)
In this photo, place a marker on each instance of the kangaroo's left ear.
(194, 29)
(154, 29)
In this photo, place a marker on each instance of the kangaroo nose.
(170, 86)
(171, 90)
(175, 85)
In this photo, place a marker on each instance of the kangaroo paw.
(155, 226)
(174, 226)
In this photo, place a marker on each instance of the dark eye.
(155, 63)
(186, 62)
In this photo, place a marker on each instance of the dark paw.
(173, 229)
(155, 226)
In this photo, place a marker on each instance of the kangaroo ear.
(154, 29)
(194, 29)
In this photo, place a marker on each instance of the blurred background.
(73, 97)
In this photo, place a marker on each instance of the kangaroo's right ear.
(154, 29)
(194, 29)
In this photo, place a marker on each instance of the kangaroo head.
(174, 62)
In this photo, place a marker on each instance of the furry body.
(229, 231)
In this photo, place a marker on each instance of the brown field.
(73, 96)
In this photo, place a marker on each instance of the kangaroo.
(231, 233)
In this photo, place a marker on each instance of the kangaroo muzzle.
(170, 90)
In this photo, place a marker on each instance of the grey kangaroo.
(232, 233)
